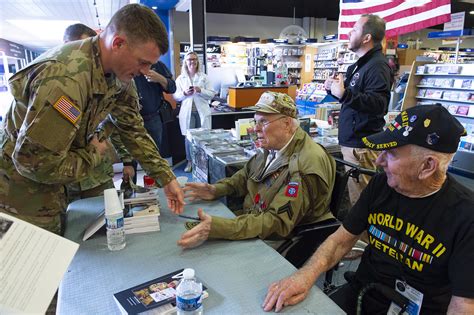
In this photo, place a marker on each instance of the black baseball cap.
(429, 126)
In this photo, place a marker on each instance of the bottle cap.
(148, 181)
(188, 273)
(112, 202)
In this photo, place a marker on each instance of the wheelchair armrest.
(308, 228)
(325, 228)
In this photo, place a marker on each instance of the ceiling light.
(471, 12)
(154, 7)
(44, 29)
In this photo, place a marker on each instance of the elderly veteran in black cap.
(287, 183)
(420, 222)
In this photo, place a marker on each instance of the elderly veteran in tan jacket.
(286, 184)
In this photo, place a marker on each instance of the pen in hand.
(189, 217)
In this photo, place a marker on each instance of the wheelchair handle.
(356, 168)
(386, 291)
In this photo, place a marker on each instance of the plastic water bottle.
(189, 295)
(114, 220)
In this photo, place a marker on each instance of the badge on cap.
(397, 125)
(427, 122)
(413, 118)
(407, 131)
(432, 138)
(292, 189)
(266, 98)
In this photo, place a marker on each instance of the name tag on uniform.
(292, 189)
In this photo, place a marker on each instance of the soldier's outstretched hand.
(175, 196)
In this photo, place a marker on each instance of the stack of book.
(141, 213)
(142, 219)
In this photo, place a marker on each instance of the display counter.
(247, 96)
(225, 116)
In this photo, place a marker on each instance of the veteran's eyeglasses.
(263, 122)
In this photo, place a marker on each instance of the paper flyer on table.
(33, 262)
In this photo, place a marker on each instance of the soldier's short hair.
(374, 26)
(76, 31)
(140, 25)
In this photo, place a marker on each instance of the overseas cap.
(429, 126)
(276, 103)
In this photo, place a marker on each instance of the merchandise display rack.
(331, 59)
(451, 85)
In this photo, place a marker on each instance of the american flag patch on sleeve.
(67, 108)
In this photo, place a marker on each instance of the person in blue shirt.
(151, 87)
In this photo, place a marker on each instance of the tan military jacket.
(59, 101)
(296, 189)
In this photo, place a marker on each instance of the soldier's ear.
(118, 42)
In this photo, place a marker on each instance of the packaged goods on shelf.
(452, 86)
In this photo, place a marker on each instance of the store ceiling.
(14, 12)
(55, 16)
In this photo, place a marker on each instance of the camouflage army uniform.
(296, 189)
(101, 177)
(59, 101)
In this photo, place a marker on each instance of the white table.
(237, 273)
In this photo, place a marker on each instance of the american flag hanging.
(401, 16)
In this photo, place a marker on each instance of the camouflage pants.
(364, 158)
(40, 204)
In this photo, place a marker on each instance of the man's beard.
(356, 46)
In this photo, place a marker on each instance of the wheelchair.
(308, 237)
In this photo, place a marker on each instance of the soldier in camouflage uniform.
(50, 137)
(286, 184)
(101, 177)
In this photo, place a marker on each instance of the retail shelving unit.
(466, 55)
(331, 59)
(451, 85)
(290, 57)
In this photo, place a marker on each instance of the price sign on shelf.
(456, 24)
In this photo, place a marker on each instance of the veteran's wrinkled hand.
(287, 291)
(196, 191)
(198, 234)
